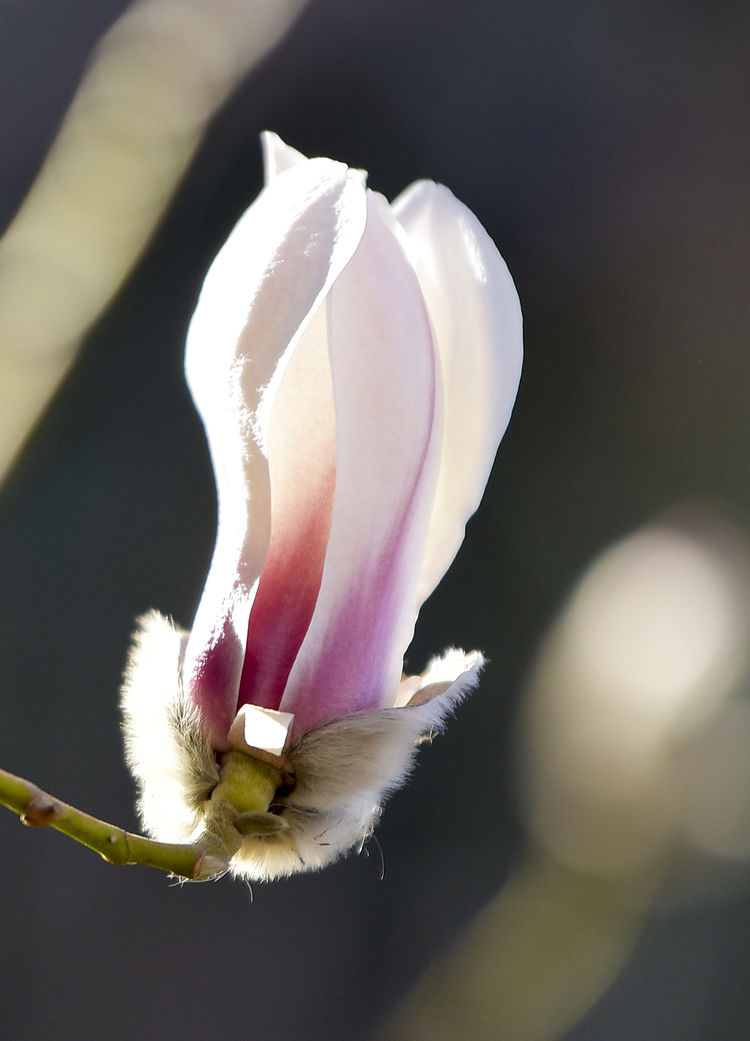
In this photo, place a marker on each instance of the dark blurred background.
(606, 148)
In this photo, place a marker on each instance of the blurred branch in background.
(635, 782)
(155, 80)
(530, 965)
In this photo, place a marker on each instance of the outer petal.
(387, 416)
(258, 297)
(476, 321)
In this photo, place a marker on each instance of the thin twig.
(117, 846)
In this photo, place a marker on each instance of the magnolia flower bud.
(355, 365)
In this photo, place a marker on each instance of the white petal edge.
(278, 157)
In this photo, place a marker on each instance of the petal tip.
(278, 156)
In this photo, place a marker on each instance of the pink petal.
(384, 383)
(258, 298)
(476, 320)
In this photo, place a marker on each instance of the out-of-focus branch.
(532, 962)
(155, 80)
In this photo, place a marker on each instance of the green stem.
(38, 809)
(244, 793)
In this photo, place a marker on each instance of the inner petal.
(302, 466)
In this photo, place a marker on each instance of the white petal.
(384, 372)
(258, 297)
(476, 320)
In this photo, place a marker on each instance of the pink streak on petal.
(214, 672)
(284, 605)
(302, 464)
(352, 658)
(387, 417)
